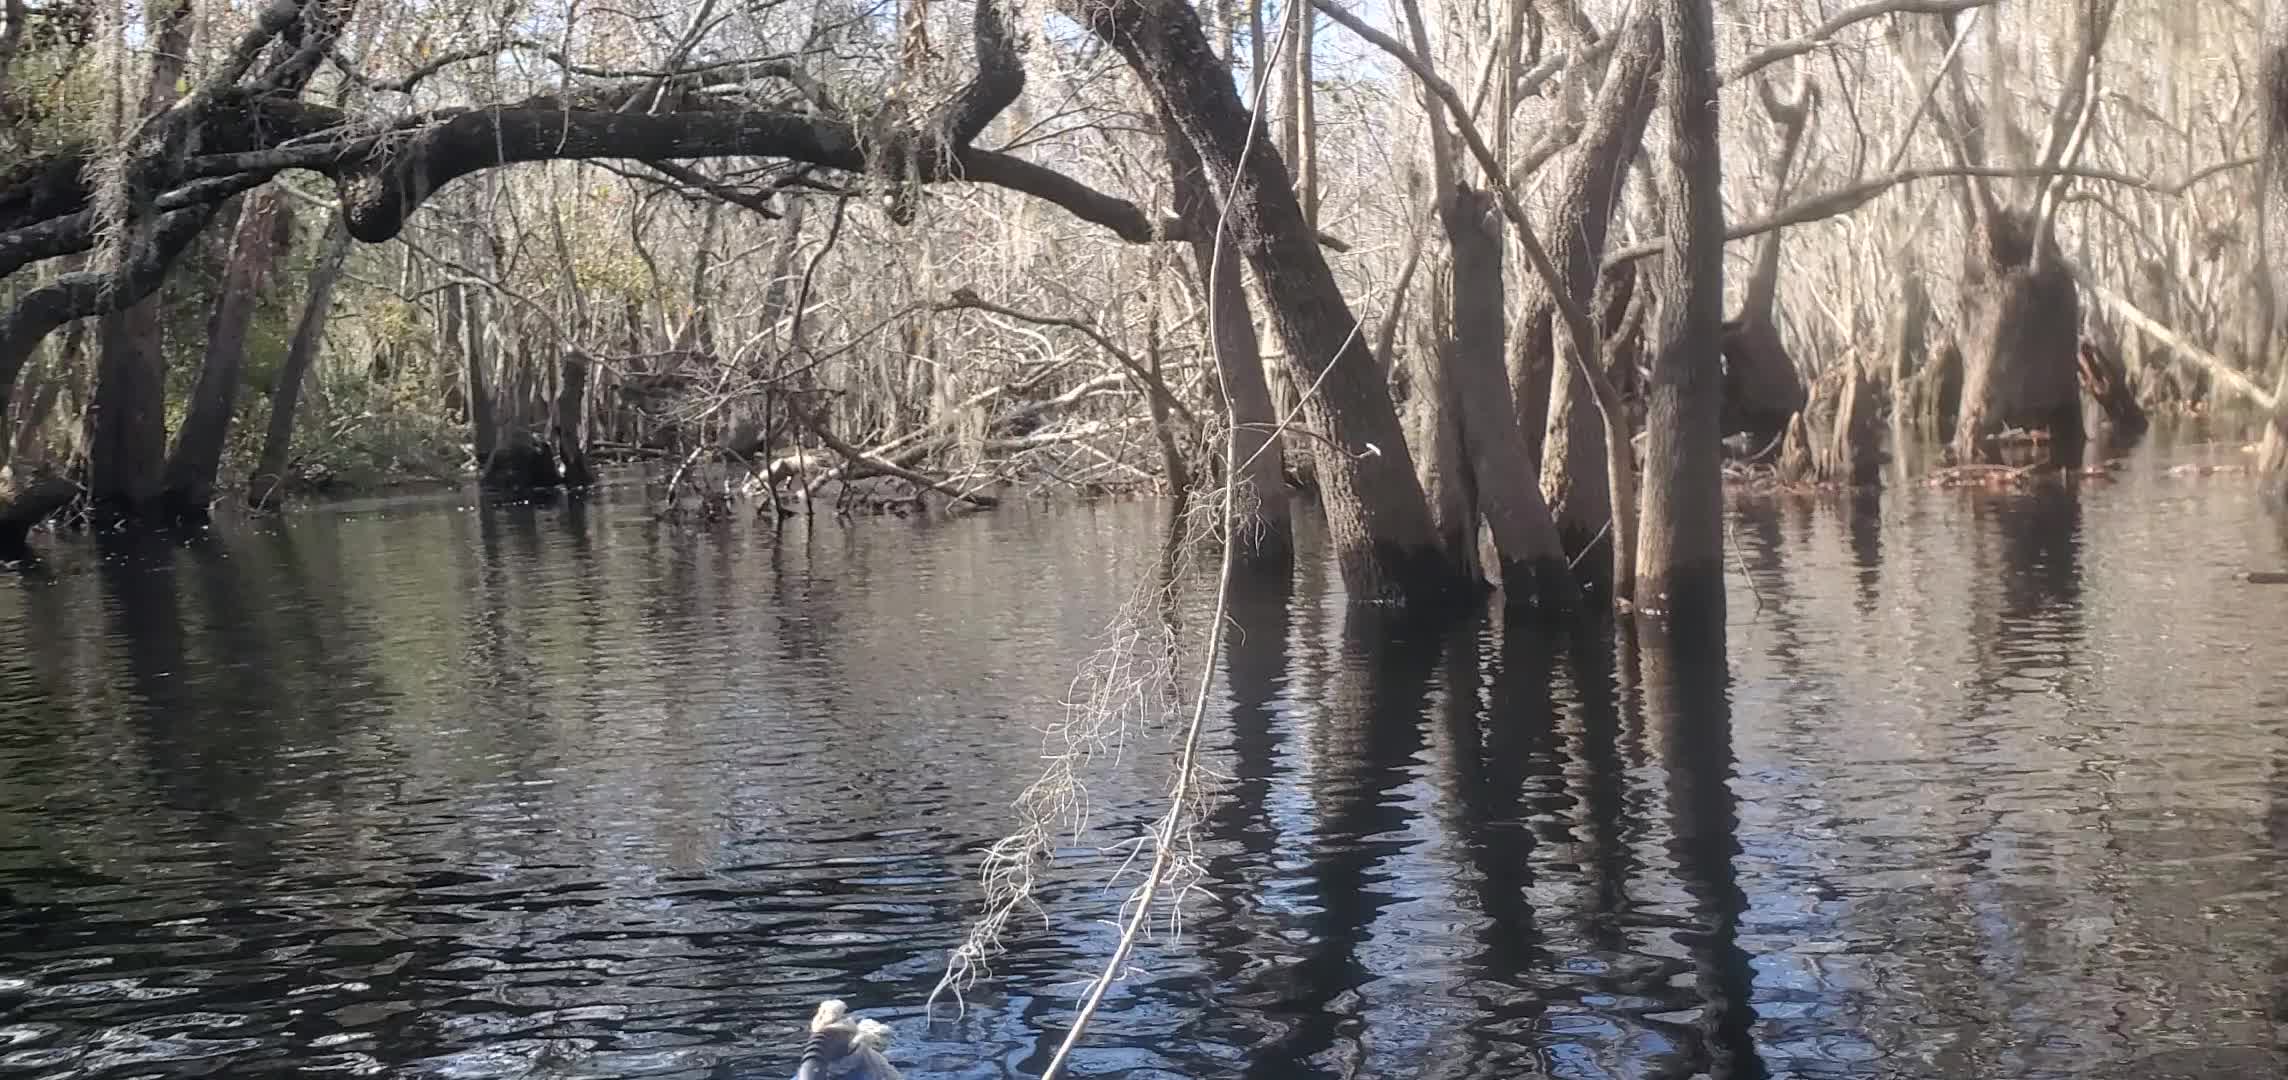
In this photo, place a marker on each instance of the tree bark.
(1680, 560)
(1305, 50)
(1574, 465)
(1494, 450)
(263, 227)
(2021, 326)
(571, 434)
(1376, 515)
(28, 498)
(265, 490)
(1266, 538)
(127, 421)
(1434, 427)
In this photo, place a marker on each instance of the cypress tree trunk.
(572, 421)
(1376, 515)
(1680, 556)
(197, 458)
(264, 490)
(1266, 538)
(1574, 474)
(126, 435)
(1493, 444)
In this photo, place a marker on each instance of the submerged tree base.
(25, 502)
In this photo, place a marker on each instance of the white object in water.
(843, 1047)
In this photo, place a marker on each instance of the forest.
(1514, 291)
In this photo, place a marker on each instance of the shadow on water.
(1366, 736)
(1687, 691)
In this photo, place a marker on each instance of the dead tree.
(1762, 389)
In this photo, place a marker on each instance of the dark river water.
(1982, 786)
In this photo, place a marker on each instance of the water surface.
(1986, 786)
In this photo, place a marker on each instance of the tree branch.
(1575, 316)
(1843, 200)
(1840, 21)
(965, 300)
(92, 292)
(2222, 372)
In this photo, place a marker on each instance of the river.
(1981, 786)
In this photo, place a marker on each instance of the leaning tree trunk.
(1266, 537)
(1575, 473)
(127, 422)
(1680, 557)
(266, 487)
(262, 229)
(1376, 516)
(28, 497)
(1494, 449)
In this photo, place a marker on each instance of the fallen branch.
(873, 464)
(964, 299)
(2222, 372)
